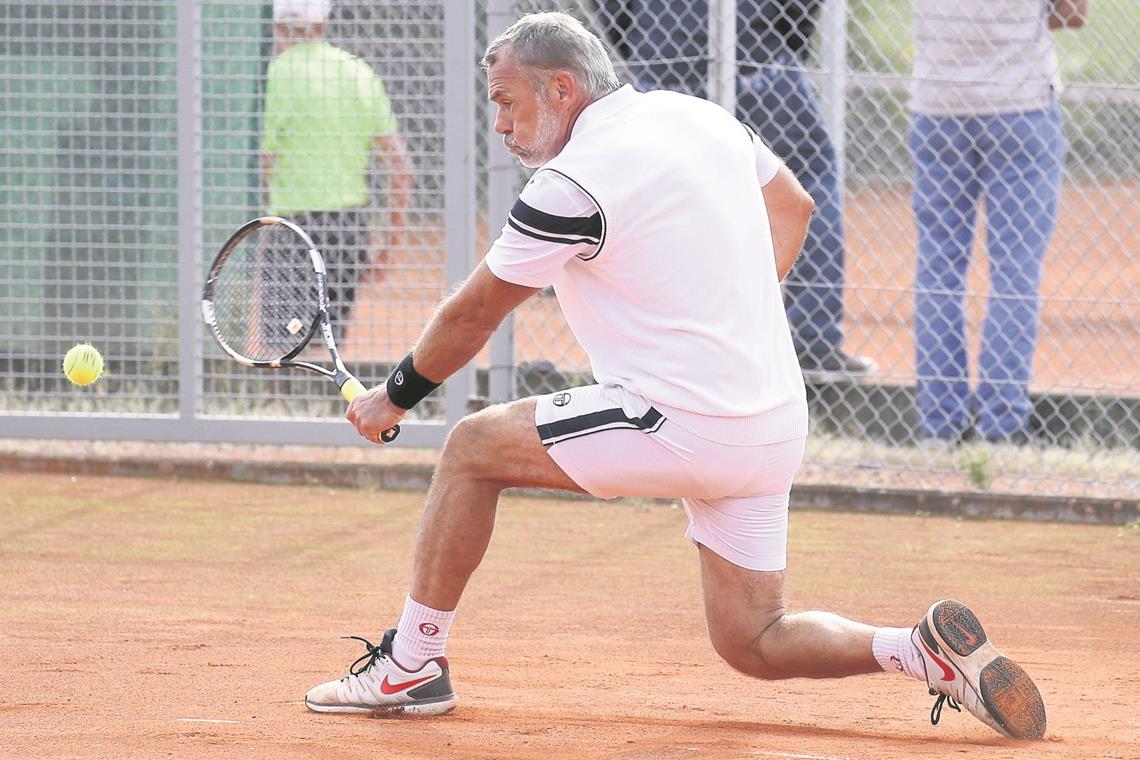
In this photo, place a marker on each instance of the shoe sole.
(441, 707)
(1007, 691)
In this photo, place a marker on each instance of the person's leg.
(782, 107)
(342, 238)
(945, 206)
(460, 512)
(407, 671)
(743, 562)
(1022, 180)
(751, 630)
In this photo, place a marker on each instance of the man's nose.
(502, 124)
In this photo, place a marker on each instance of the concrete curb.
(406, 477)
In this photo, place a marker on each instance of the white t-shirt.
(983, 57)
(651, 226)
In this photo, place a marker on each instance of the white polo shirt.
(651, 226)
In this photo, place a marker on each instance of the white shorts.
(612, 442)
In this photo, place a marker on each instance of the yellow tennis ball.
(83, 364)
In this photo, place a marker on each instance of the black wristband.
(406, 387)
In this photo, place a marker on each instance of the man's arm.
(789, 212)
(392, 152)
(266, 171)
(1068, 13)
(464, 322)
(460, 327)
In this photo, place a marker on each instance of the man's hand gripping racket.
(266, 296)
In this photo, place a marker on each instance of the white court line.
(799, 756)
(203, 720)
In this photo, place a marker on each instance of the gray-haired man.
(664, 226)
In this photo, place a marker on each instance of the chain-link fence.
(139, 134)
(967, 306)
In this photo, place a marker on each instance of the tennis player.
(646, 215)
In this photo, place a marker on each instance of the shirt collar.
(605, 107)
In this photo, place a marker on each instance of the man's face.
(533, 126)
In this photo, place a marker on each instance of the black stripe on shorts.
(595, 422)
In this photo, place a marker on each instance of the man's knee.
(746, 654)
(465, 447)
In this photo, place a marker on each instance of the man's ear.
(564, 86)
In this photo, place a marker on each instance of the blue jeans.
(1014, 163)
(779, 103)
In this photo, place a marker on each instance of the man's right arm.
(789, 213)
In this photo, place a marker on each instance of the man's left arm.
(391, 150)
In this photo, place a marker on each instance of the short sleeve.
(767, 162)
(552, 222)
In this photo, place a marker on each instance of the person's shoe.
(964, 668)
(382, 687)
(1014, 438)
(837, 363)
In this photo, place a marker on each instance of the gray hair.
(554, 41)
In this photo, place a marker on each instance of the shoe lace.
(936, 711)
(373, 653)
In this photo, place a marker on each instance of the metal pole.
(459, 165)
(189, 140)
(722, 53)
(833, 56)
(502, 176)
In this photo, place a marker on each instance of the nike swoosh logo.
(971, 639)
(947, 672)
(387, 687)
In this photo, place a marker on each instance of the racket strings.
(265, 296)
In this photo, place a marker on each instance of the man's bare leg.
(751, 630)
(487, 452)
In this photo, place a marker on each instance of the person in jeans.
(666, 43)
(985, 127)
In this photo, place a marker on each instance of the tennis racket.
(266, 296)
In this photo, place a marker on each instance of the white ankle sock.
(420, 635)
(894, 650)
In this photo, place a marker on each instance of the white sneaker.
(381, 686)
(963, 668)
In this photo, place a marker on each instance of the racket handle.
(353, 388)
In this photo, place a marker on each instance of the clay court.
(153, 618)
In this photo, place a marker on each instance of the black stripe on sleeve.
(549, 238)
(552, 224)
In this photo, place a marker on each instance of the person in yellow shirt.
(326, 111)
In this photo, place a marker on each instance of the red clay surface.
(156, 618)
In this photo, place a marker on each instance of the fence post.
(188, 94)
(502, 175)
(722, 53)
(459, 163)
(833, 89)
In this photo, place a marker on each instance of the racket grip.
(351, 389)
